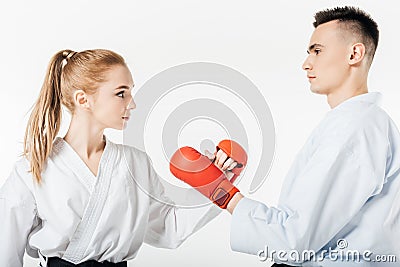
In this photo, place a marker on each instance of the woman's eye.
(121, 94)
(317, 51)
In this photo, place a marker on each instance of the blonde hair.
(66, 72)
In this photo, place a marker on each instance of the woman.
(77, 199)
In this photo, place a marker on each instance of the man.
(337, 206)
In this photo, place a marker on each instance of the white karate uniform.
(343, 184)
(78, 217)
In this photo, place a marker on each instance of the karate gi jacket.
(77, 216)
(342, 193)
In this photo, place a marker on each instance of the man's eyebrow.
(313, 47)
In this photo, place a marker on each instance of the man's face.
(327, 63)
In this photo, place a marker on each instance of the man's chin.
(316, 90)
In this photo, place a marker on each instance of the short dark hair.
(354, 20)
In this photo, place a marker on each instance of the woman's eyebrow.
(123, 87)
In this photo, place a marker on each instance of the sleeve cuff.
(244, 234)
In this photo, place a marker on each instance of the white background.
(265, 40)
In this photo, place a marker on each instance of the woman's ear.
(81, 99)
(357, 53)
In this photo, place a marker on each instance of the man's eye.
(317, 51)
(121, 94)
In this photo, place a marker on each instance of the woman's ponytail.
(45, 119)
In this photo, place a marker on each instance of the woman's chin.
(124, 126)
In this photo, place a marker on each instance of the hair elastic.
(67, 55)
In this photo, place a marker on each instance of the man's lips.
(310, 78)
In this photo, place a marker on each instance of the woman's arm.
(168, 225)
(17, 213)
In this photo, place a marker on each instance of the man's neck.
(339, 96)
(354, 85)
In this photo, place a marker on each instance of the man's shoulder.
(341, 126)
(359, 116)
(374, 116)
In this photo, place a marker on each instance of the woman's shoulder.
(132, 153)
(22, 168)
(18, 187)
(125, 148)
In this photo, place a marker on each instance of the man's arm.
(234, 201)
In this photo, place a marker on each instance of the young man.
(338, 202)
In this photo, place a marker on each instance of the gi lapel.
(83, 234)
(72, 160)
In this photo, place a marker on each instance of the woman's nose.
(131, 105)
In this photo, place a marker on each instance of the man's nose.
(307, 64)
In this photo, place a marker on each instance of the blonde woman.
(72, 201)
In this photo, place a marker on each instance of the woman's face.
(113, 101)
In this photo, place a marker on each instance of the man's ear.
(357, 53)
(81, 99)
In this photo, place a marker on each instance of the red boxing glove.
(195, 169)
(237, 153)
